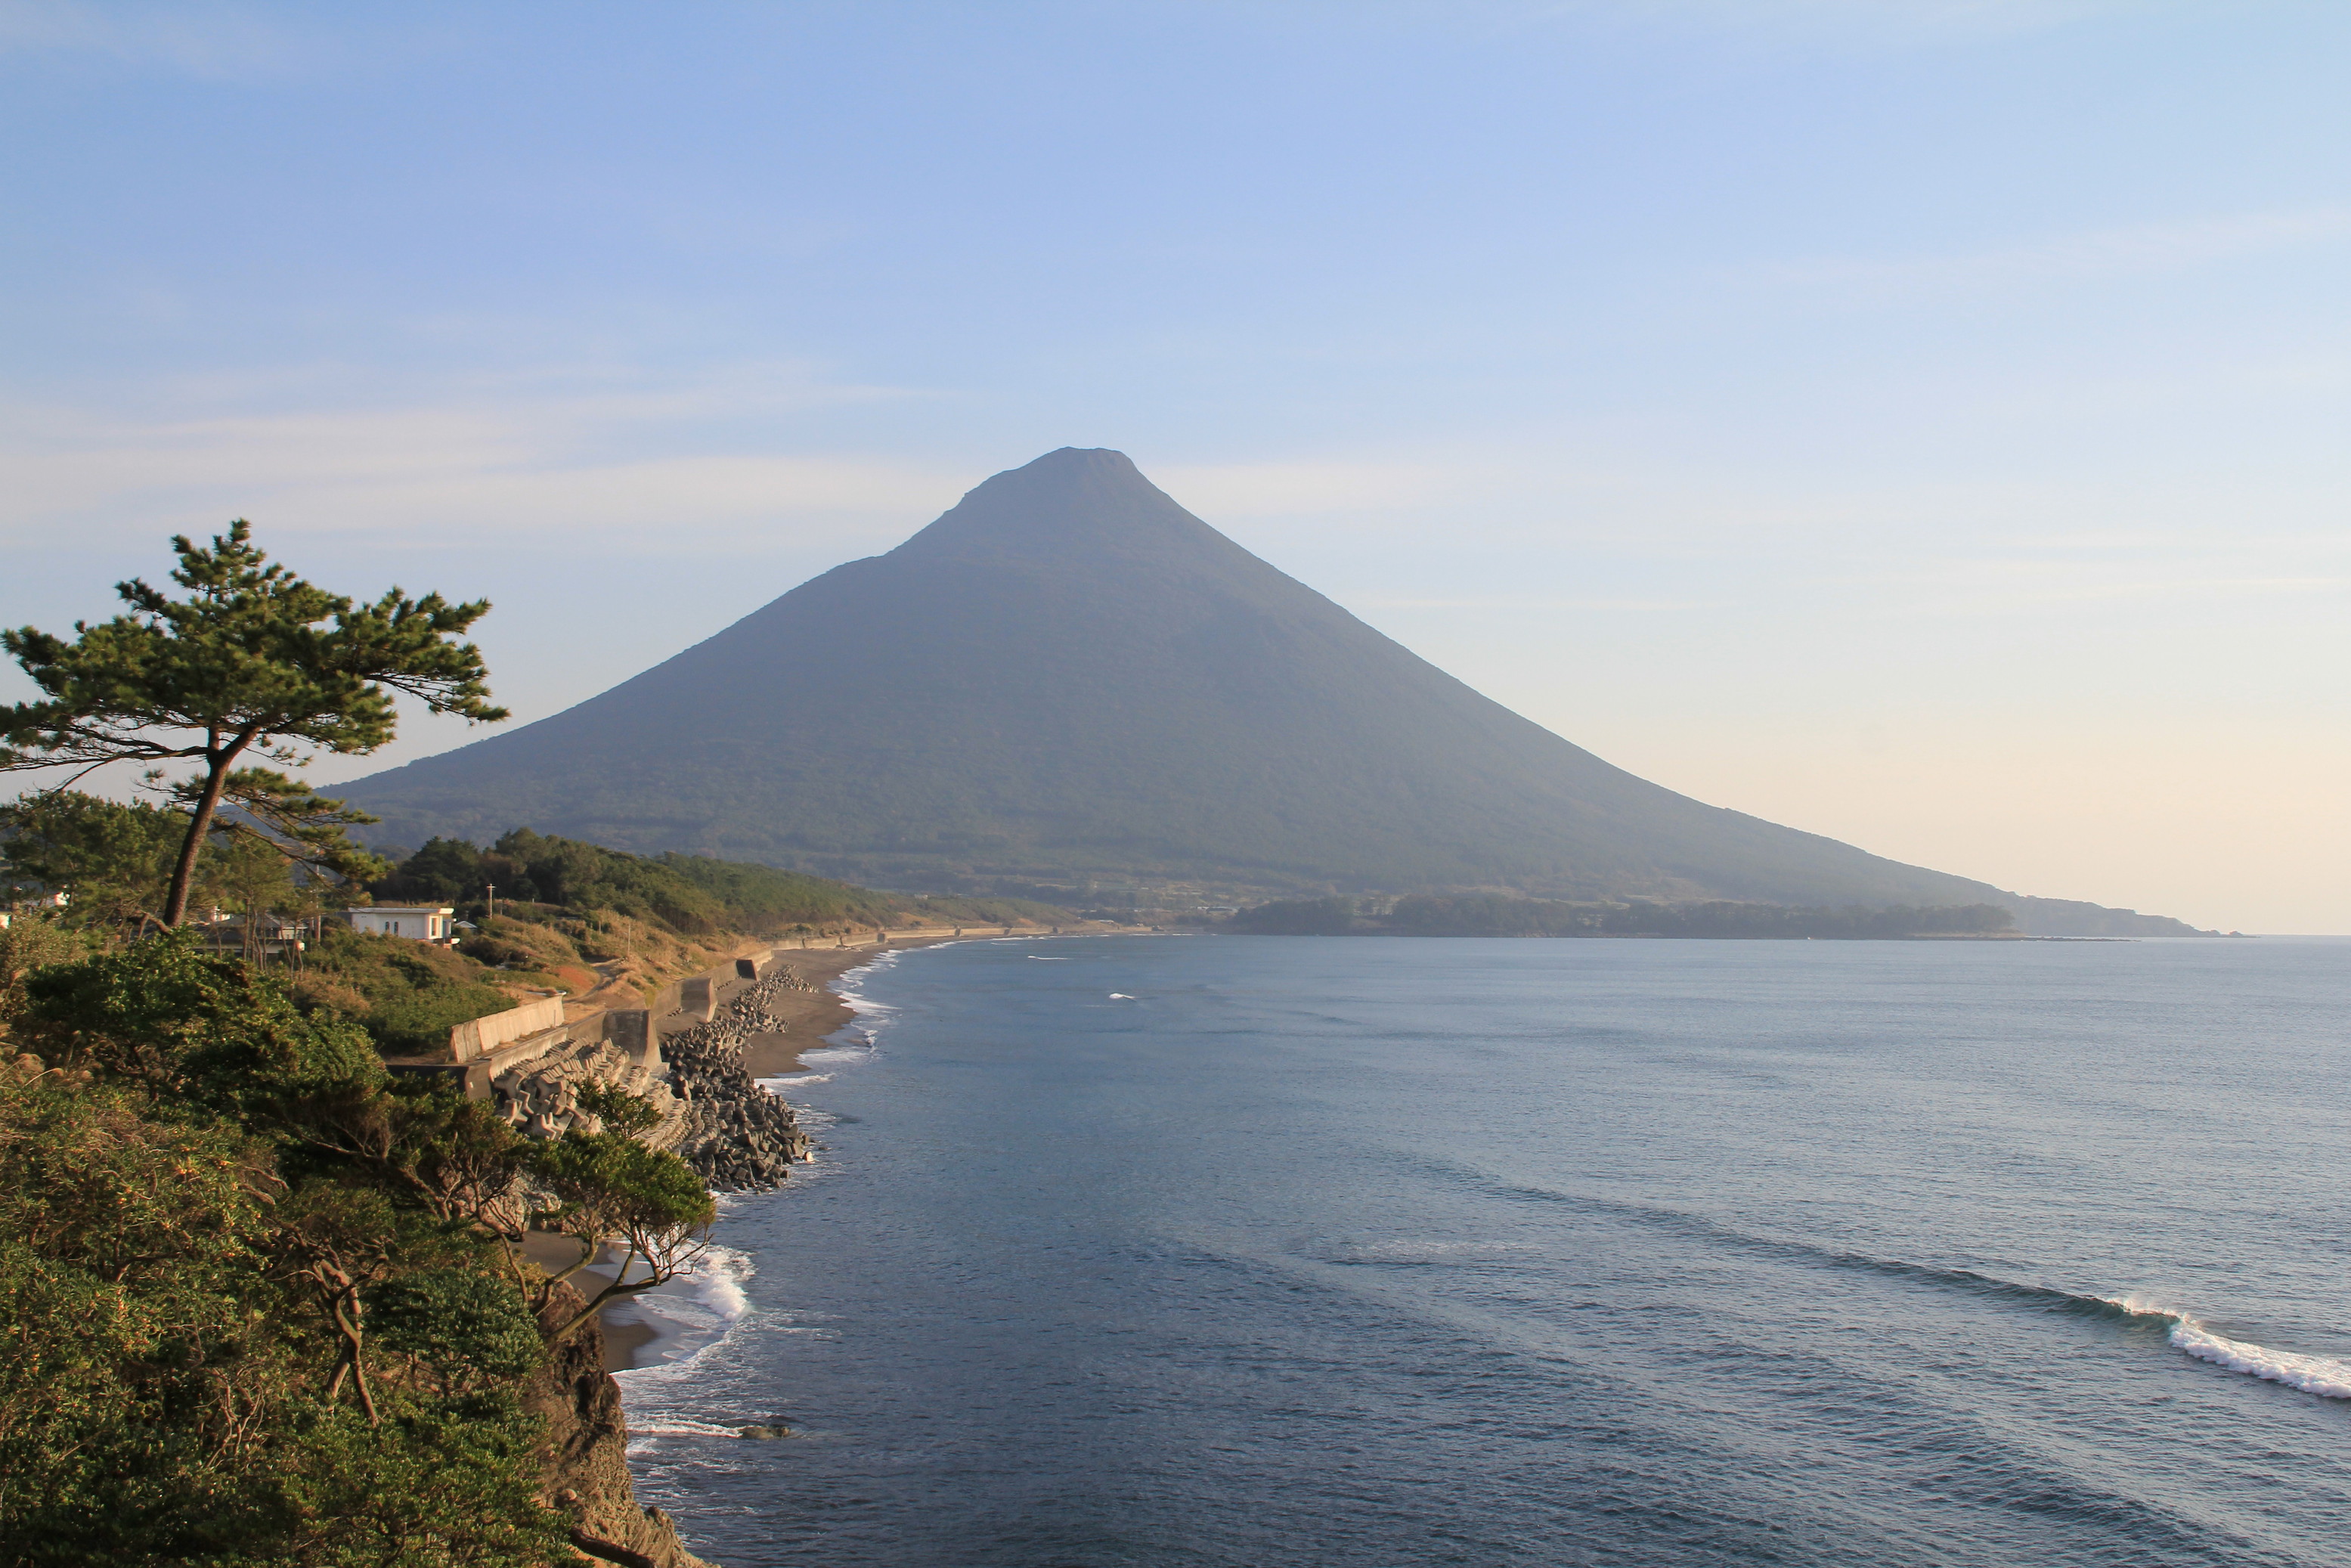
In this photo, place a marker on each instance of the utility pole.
(490, 893)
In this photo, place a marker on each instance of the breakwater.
(737, 1136)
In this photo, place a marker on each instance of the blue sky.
(1920, 423)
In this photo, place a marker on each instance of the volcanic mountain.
(1068, 680)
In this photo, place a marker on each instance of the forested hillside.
(688, 894)
(542, 913)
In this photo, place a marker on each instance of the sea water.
(1274, 1252)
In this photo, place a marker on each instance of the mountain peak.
(1076, 502)
(1069, 679)
(1062, 460)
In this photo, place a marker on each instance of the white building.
(413, 920)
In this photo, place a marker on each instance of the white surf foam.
(2319, 1375)
(679, 1428)
(2323, 1375)
(718, 1275)
(849, 989)
(693, 1312)
(1120, 996)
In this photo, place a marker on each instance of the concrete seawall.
(471, 1042)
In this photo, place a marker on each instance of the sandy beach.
(554, 1253)
(811, 1015)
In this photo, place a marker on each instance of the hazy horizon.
(1913, 423)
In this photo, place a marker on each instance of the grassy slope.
(408, 996)
(617, 920)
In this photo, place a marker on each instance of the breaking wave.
(2322, 1375)
(693, 1312)
(718, 1277)
(679, 1428)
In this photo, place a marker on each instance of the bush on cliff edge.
(262, 1309)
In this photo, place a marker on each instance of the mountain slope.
(1068, 676)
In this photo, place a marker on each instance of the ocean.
(1291, 1252)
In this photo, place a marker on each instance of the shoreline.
(623, 1337)
(810, 1019)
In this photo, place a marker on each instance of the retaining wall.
(471, 1042)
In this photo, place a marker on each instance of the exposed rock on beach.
(737, 1136)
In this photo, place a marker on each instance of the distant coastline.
(2002, 936)
(1506, 915)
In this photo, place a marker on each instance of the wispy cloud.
(1525, 602)
(1933, 18)
(1991, 588)
(494, 463)
(2093, 256)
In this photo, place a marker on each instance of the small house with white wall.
(416, 921)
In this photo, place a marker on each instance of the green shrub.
(138, 1319)
(464, 1327)
(25, 944)
(181, 1238)
(439, 1483)
(189, 1024)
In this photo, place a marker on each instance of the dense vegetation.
(114, 860)
(688, 894)
(264, 1304)
(267, 1303)
(1490, 914)
(407, 995)
(569, 916)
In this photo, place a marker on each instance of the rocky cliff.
(735, 1134)
(587, 1464)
